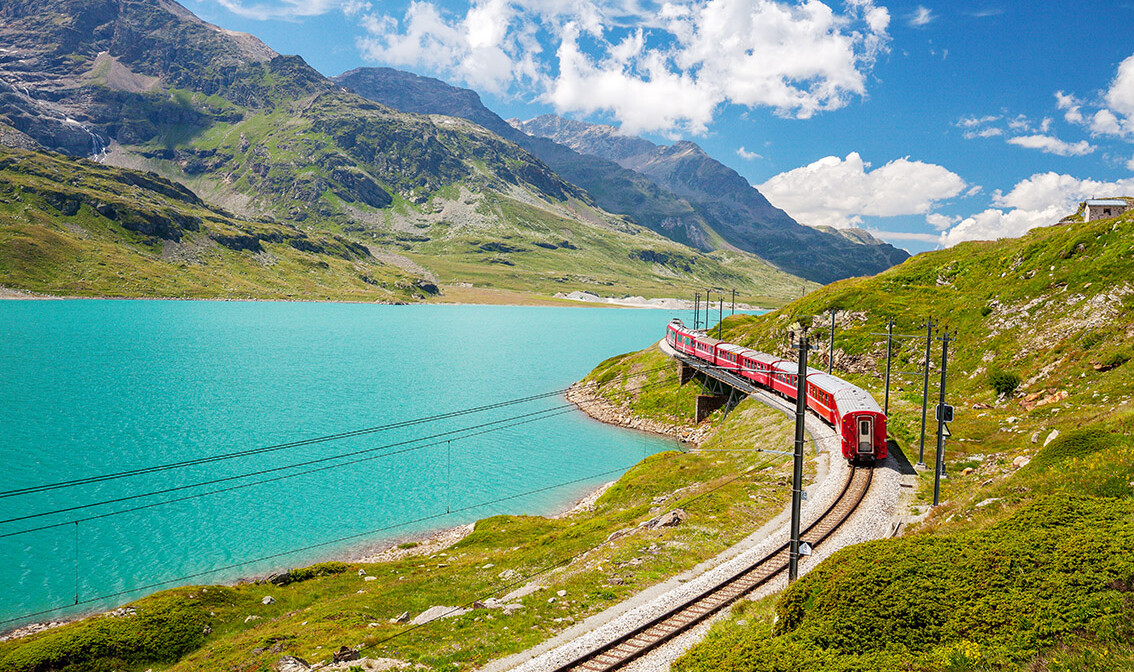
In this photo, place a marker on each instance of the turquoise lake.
(98, 387)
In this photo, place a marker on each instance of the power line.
(457, 434)
(321, 544)
(548, 568)
(282, 446)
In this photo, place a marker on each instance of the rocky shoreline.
(585, 396)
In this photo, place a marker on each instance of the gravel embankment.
(873, 520)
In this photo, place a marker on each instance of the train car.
(679, 337)
(821, 389)
(857, 418)
(705, 347)
(758, 367)
(729, 356)
(862, 425)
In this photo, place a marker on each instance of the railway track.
(656, 632)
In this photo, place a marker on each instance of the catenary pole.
(925, 391)
(889, 341)
(831, 348)
(720, 316)
(797, 471)
(734, 302)
(696, 310)
(939, 458)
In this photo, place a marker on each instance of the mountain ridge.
(732, 207)
(678, 191)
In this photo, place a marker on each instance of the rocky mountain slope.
(678, 191)
(613, 188)
(75, 227)
(736, 211)
(148, 86)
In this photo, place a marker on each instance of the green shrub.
(320, 569)
(1003, 382)
(1089, 339)
(1115, 360)
(985, 311)
(1075, 443)
(162, 630)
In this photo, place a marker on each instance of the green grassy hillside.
(76, 228)
(1026, 565)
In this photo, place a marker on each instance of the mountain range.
(416, 173)
(678, 190)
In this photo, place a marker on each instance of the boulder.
(292, 664)
(1021, 461)
(1051, 437)
(400, 618)
(344, 654)
(268, 599)
(669, 519)
(434, 613)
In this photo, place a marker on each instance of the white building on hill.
(1103, 208)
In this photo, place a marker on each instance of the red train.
(848, 408)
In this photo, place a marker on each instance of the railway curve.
(630, 646)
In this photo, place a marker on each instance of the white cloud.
(1130, 164)
(475, 48)
(940, 221)
(979, 127)
(989, 132)
(971, 122)
(1040, 200)
(747, 155)
(1120, 97)
(1115, 113)
(292, 9)
(1104, 122)
(1020, 123)
(890, 236)
(798, 58)
(1052, 145)
(839, 192)
(922, 16)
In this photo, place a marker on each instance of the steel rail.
(645, 638)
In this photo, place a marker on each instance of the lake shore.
(596, 407)
(455, 296)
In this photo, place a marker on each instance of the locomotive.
(856, 417)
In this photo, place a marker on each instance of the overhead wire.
(283, 446)
(309, 547)
(456, 434)
(464, 433)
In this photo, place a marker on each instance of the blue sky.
(927, 123)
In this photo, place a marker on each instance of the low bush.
(1114, 360)
(1075, 443)
(1003, 382)
(320, 569)
(162, 630)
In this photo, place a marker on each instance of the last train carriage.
(848, 408)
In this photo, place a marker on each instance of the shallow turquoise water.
(94, 387)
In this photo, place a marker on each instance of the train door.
(865, 435)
